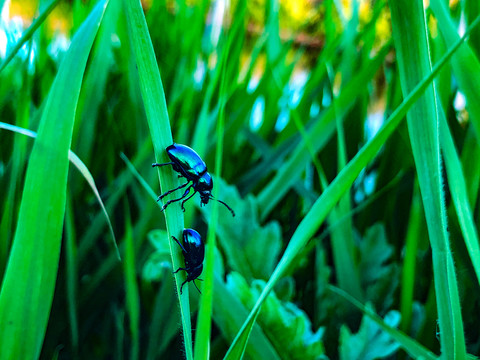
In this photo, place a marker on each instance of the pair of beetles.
(190, 165)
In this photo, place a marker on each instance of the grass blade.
(80, 165)
(458, 190)
(131, 286)
(410, 35)
(157, 116)
(28, 33)
(332, 194)
(465, 64)
(33, 263)
(204, 327)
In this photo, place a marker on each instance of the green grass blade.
(33, 263)
(157, 116)
(414, 349)
(80, 165)
(409, 261)
(458, 190)
(332, 194)
(71, 274)
(410, 35)
(204, 325)
(131, 286)
(465, 64)
(28, 33)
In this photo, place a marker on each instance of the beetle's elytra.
(190, 165)
(193, 250)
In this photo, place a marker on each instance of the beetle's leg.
(181, 287)
(178, 242)
(183, 202)
(157, 164)
(179, 270)
(169, 192)
(180, 198)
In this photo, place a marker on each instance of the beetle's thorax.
(195, 272)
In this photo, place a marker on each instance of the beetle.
(189, 165)
(193, 252)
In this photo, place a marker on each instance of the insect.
(189, 165)
(193, 252)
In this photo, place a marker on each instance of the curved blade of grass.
(458, 190)
(80, 165)
(465, 64)
(411, 346)
(158, 122)
(319, 211)
(29, 282)
(28, 33)
(410, 36)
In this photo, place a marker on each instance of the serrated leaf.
(251, 249)
(287, 326)
(370, 342)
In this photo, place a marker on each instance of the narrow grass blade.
(332, 194)
(412, 347)
(71, 274)
(28, 33)
(204, 325)
(410, 36)
(29, 282)
(157, 116)
(458, 190)
(409, 261)
(131, 286)
(79, 164)
(465, 64)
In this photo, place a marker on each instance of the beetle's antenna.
(197, 286)
(228, 207)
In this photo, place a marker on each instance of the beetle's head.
(204, 187)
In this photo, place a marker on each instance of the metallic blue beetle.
(193, 252)
(190, 165)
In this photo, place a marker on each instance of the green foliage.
(370, 342)
(338, 202)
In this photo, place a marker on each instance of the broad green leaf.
(415, 349)
(33, 263)
(370, 342)
(287, 327)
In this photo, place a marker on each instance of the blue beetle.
(189, 165)
(193, 252)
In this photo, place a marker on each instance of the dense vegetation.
(354, 181)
